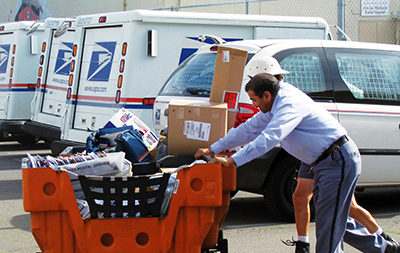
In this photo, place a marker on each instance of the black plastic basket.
(145, 168)
(124, 197)
(176, 161)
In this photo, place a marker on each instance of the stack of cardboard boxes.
(194, 124)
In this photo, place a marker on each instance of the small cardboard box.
(228, 77)
(195, 124)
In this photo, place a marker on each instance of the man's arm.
(225, 161)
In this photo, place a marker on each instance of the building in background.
(361, 20)
(28, 10)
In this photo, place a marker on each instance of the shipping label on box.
(232, 100)
(197, 130)
(195, 124)
(228, 77)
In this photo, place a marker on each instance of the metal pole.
(124, 5)
(340, 18)
(247, 6)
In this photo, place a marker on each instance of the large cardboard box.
(195, 124)
(228, 77)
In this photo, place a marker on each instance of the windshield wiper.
(198, 91)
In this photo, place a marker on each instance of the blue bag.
(132, 144)
(104, 137)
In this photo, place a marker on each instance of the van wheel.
(280, 186)
(25, 138)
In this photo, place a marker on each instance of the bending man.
(310, 133)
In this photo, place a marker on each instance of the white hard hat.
(267, 65)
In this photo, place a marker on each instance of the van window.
(193, 77)
(370, 76)
(305, 72)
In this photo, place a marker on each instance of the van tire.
(280, 186)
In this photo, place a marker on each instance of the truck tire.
(280, 186)
(2, 138)
(47, 141)
(25, 139)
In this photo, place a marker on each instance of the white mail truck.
(121, 59)
(48, 104)
(19, 58)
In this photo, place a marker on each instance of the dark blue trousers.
(335, 180)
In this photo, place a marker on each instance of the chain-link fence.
(361, 20)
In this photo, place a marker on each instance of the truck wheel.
(2, 138)
(25, 138)
(48, 142)
(280, 186)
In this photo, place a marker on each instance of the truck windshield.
(192, 78)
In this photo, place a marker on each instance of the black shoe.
(389, 238)
(301, 247)
(392, 247)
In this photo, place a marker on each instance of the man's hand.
(225, 161)
(202, 151)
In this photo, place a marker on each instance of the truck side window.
(305, 72)
(370, 76)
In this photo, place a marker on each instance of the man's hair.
(263, 82)
(279, 77)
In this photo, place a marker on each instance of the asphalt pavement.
(249, 227)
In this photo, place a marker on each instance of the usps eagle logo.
(64, 58)
(191, 44)
(4, 52)
(101, 61)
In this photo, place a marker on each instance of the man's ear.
(267, 95)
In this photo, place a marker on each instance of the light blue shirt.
(301, 126)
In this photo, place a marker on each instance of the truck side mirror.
(62, 29)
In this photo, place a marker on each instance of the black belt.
(342, 140)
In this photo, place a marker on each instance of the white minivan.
(359, 83)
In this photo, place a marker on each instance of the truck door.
(97, 84)
(56, 82)
(6, 40)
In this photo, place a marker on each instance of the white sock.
(379, 231)
(303, 238)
